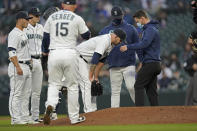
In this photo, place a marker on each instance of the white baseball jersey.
(20, 85)
(35, 36)
(64, 27)
(100, 44)
(18, 39)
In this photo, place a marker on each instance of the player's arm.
(45, 50)
(99, 66)
(135, 37)
(13, 58)
(45, 43)
(83, 29)
(139, 52)
(147, 39)
(99, 51)
(46, 37)
(94, 62)
(86, 35)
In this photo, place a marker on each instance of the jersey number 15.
(61, 29)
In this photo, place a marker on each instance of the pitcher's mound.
(137, 115)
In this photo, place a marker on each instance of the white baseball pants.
(20, 88)
(63, 62)
(37, 76)
(116, 77)
(85, 86)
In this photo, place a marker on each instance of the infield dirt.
(136, 115)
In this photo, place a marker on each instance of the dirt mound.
(136, 115)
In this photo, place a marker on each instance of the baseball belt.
(83, 59)
(35, 56)
(27, 63)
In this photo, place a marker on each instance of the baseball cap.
(23, 15)
(116, 12)
(35, 11)
(69, 2)
(121, 34)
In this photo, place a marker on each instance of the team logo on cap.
(115, 13)
(111, 31)
(37, 10)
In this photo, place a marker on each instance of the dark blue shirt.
(150, 43)
(117, 58)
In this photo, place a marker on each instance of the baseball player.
(44, 58)
(34, 33)
(63, 91)
(121, 65)
(60, 37)
(19, 71)
(93, 52)
(86, 102)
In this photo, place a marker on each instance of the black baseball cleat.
(39, 120)
(47, 116)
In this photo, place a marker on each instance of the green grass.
(5, 126)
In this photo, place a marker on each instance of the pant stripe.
(11, 102)
(84, 102)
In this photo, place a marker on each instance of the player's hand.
(194, 66)
(139, 67)
(97, 80)
(190, 41)
(123, 48)
(45, 54)
(19, 70)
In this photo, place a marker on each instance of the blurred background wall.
(176, 23)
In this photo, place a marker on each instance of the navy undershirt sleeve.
(96, 57)
(103, 60)
(11, 48)
(46, 42)
(86, 35)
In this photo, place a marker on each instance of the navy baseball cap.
(121, 34)
(23, 15)
(35, 11)
(69, 2)
(116, 12)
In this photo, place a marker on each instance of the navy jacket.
(150, 43)
(117, 58)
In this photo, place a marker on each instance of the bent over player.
(34, 33)
(121, 65)
(92, 53)
(19, 71)
(60, 36)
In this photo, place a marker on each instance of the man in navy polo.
(121, 65)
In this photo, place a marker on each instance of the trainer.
(150, 45)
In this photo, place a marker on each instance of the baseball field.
(177, 118)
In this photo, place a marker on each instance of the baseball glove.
(50, 11)
(96, 88)
(64, 91)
